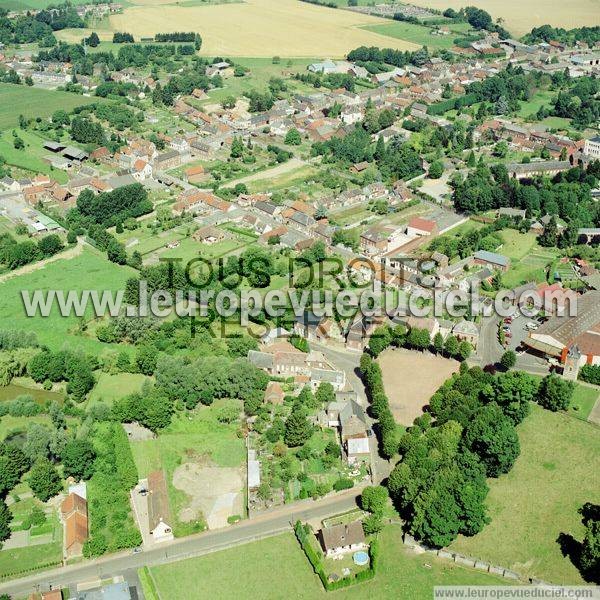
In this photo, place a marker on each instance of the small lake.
(10, 392)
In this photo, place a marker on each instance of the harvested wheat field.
(410, 378)
(520, 17)
(259, 27)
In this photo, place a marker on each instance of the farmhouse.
(158, 508)
(491, 259)
(75, 519)
(341, 539)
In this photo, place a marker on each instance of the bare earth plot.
(521, 16)
(410, 378)
(259, 27)
(215, 492)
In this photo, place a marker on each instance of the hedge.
(439, 108)
(590, 374)
(302, 532)
(126, 469)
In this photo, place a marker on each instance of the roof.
(112, 591)
(262, 360)
(343, 535)
(492, 257)
(73, 502)
(422, 224)
(466, 328)
(158, 500)
(76, 529)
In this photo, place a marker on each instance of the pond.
(10, 392)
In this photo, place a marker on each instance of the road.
(265, 525)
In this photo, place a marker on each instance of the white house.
(342, 539)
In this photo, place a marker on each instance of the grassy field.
(259, 27)
(34, 102)
(520, 19)
(583, 401)
(517, 245)
(417, 34)
(248, 572)
(539, 99)
(111, 387)
(88, 271)
(532, 267)
(538, 500)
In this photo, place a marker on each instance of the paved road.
(265, 525)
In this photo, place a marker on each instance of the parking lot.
(519, 332)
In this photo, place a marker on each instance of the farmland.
(259, 28)
(34, 102)
(519, 19)
(417, 34)
(559, 454)
(247, 572)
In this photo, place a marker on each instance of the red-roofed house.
(141, 170)
(420, 226)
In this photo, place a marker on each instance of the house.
(75, 519)
(548, 168)
(492, 259)
(359, 167)
(418, 226)
(141, 170)
(466, 331)
(158, 508)
(209, 235)
(336, 378)
(515, 213)
(353, 426)
(74, 154)
(168, 160)
(274, 393)
(342, 539)
(592, 147)
(194, 174)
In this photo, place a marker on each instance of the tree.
(464, 350)
(374, 499)
(146, 358)
(513, 391)
(436, 168)
(5, 519)
(372, 524)
(438, 343)
(508, 360)
(297, 428)
(78, 459)
(44, 480)
(293, 138)
(325, 393)
(93, 40)
(492, 436)
(555, 393)
(590, 548)
(451, 346)
(471, 160)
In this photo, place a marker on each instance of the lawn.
(90, 270)
(537, 501)
(583, 401)
(517, 245)
(34, 102)
(248, 572)
(531, 267)
(539, 99)
(111, 387)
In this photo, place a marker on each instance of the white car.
(531, 325)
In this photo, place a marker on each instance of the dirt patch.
(216, 492)
(410, 378)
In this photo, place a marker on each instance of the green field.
(276, 568)
(517, 245)
(111, 387)
(34, 102)
(583, 401)
(30, 158)
(532, 267)
(417, 34)
(539, 99)
(88, 271)
(538, 500)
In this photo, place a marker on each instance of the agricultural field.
(88, 270)
(519, 19)
(34, 102)
(262, 28)
(247, 571)
(559, 454)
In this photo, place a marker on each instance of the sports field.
(537, 501)
(34, 102)
(259, 27)
(519, 17)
